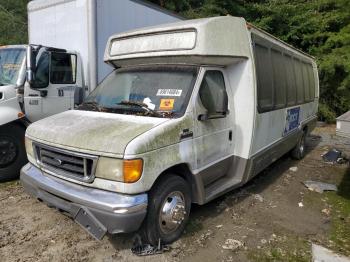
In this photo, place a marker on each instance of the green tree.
(13, 26)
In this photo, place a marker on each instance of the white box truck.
(194, 109)
(59, 78)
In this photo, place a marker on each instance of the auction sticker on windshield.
(166, 104)
(169, 92)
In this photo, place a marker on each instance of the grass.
(291, 249)
(296, 248)
(340, 206)
(9, 184)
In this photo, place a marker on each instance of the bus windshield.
(11, 60)
(159, 91)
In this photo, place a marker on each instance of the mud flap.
(89, 222)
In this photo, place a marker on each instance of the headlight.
(110, 168)
(29, 149)
(127, 171)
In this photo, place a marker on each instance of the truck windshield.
(10, 64)
(159, 91)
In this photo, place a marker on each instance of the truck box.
(84, 26)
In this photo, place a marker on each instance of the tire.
(298, 152)
(170, 190)
(12, 151)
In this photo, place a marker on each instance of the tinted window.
(63, 68)
(264, 75)
(306, 82)
(279, 79)
(299, 80)
(311, 81)
(290, 77)
(212, 83)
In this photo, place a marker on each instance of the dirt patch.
(264, 217)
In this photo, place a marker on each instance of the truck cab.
(35, 82)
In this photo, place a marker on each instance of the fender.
(10, 111)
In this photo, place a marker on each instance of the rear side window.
(299, 81)
(290, 81)
(306, 83)
(265, 80)
(311, 75)
(284, 78)
(279, 79)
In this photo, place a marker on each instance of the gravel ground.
(261, 221)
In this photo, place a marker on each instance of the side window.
(265, 80)
(42, 71)
(279, 79)
(63, 68)
(212, 90)
(299, 80)
(291, 88)
(311, 81)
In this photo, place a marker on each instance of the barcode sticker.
(169, 92)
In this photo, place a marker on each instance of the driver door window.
(63, 68)
(212, 87)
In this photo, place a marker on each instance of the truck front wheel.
(12, 151)
(169, 207)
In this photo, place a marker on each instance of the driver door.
(54, 87)
(213, 136)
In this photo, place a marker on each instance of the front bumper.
(97, 211)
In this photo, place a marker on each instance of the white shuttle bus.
(192, 110)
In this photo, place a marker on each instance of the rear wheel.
(168, 210)
(298, 151)
(12, 151)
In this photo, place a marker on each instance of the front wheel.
(168, 210)
(12, 151)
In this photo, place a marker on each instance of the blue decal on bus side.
(292, 120)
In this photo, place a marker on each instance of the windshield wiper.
(92, 104)
(140, 105)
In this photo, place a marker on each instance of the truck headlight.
(127, 171)
(110, 168)
(30, 150)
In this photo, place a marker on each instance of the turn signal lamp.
(132, 170)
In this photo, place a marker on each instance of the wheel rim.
(172, 212)
(302, 145)
(8, 151)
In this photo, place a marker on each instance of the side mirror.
(221, 102)
(31, 64)
(217, 106)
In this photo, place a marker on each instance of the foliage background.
(318, 27)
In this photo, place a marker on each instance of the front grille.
(66, 163)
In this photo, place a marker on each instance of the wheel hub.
(302, 145)
(173, 212)
(8, 151)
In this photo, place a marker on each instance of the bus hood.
(95, 132)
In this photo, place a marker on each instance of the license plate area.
(89, 222)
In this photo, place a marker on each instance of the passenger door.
(213, 130)
(55, 85)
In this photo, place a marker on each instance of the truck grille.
(66, 163)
